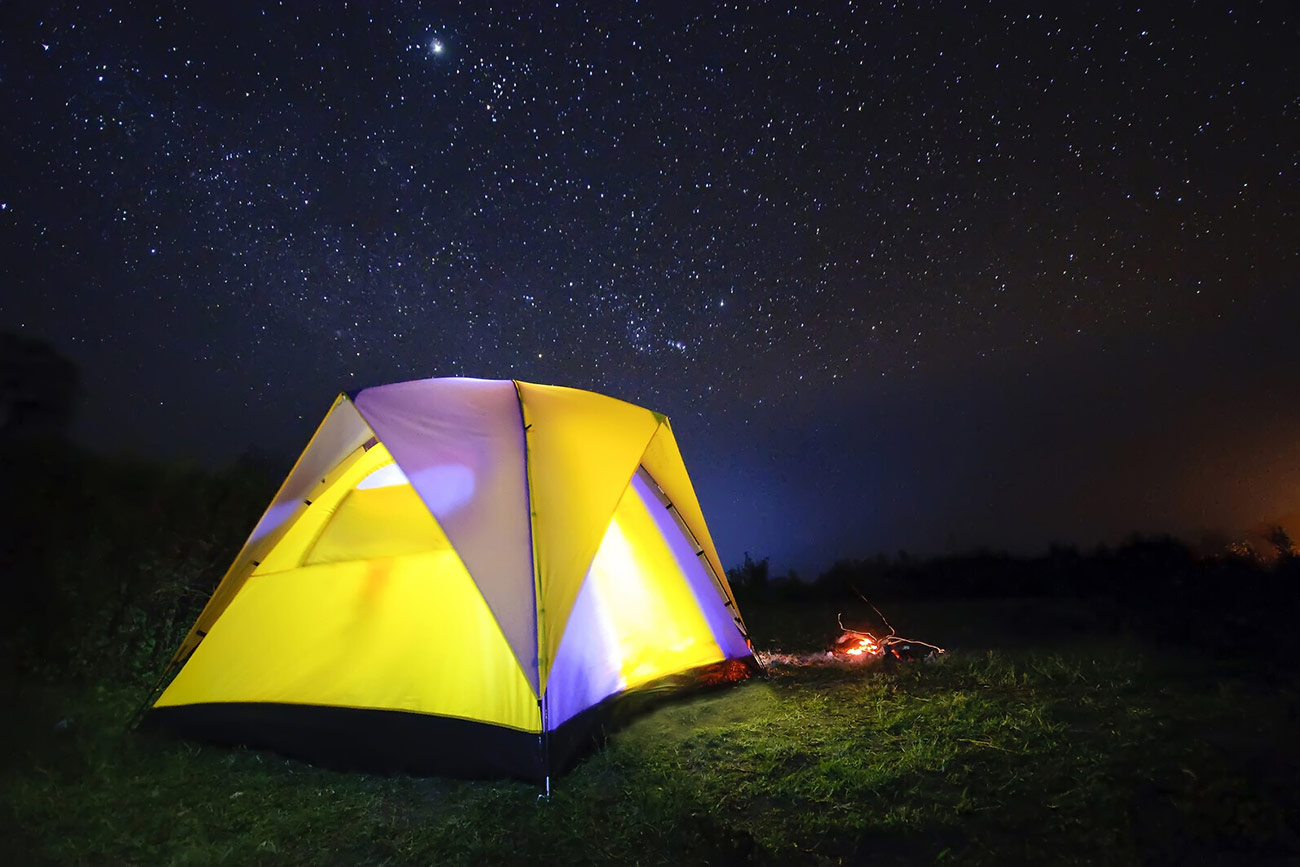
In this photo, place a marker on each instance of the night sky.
(904, 275)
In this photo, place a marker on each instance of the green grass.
(1095, 750)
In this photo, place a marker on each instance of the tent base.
(360, 739)
(389, 741)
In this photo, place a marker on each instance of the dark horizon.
(930, 280)
(964, 419)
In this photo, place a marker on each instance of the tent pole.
(544, 743)
(546, 751)
(539, 605)
(727, 597)
(151, 696)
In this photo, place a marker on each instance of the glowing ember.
(858, 644)
(865, 645)
(854, 644)
(855, 647)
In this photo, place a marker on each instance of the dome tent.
(459, 576)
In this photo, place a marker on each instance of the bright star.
(435, 46)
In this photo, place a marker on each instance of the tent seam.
(539, 610)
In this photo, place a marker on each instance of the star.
(696, 238)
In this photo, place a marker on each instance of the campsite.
(1078, 716)
(649, 433)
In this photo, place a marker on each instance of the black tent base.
(358, 739)
(387, 741)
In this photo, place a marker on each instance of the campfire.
(855, 646)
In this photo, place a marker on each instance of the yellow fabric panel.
(663, 461)
(379, 522)
(293, 547)
(405, 633)
(582, 450)
(653, 618)
(336, 442)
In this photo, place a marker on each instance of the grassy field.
(1050, 744)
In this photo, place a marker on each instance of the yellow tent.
(460, 576)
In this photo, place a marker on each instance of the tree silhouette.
(1278, 537)
(39, 388)
(752, 575)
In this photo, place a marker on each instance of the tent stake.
(151, 696)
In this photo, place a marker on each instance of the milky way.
(780, 225)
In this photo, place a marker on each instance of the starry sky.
(916, 275)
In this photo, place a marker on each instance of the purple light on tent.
(272, 520)
(721, 624)
(445, 487)
(586, 668)
(461, 443)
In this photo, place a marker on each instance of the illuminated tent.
(460, 576)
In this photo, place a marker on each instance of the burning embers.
(854, 645)
(857, 644)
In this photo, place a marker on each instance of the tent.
(461, 576)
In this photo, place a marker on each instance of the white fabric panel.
(342, 432)
(461, 443)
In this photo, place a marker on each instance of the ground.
(1059, 743)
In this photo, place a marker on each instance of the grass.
(1091, 749)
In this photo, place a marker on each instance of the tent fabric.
(460, 443)
(459, 566)
(340, 436)
(370, 740)
(636, 616)
(714, 601)
(663, 462)
(585, 448)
